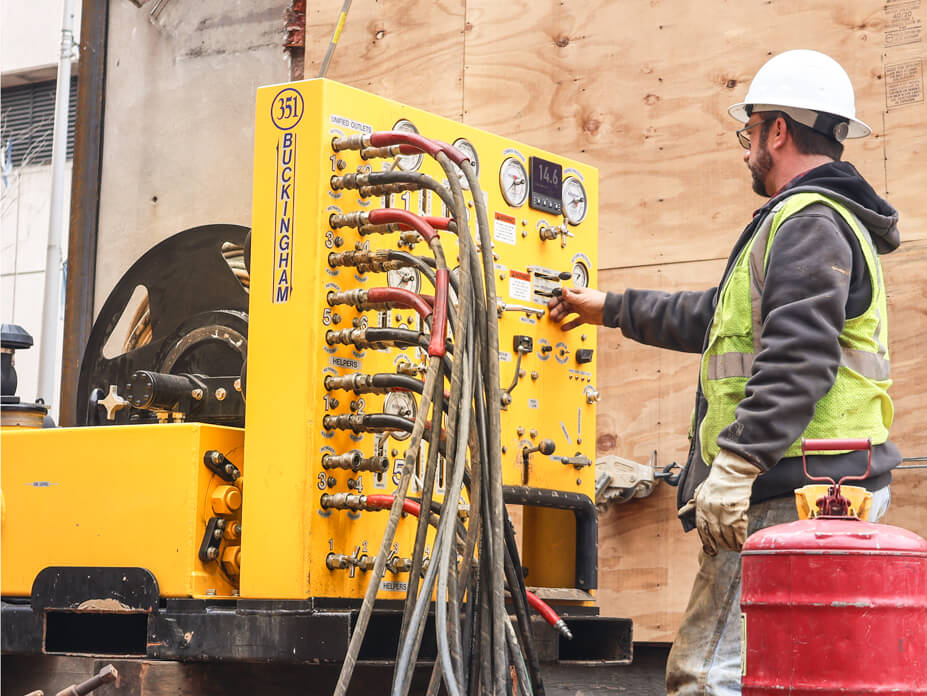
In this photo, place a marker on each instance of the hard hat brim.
(856, 128)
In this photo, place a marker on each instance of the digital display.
(546, 186)
(546, 177)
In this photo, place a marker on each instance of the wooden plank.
(904, 277)
(646, 562)
(412, 52)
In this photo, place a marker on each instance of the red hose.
(439, 223)
(384, 502)
(432, 147)
(437, 345)
(386, 138)
(383, 216)
(542, 607)
(403, 298)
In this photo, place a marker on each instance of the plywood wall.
(640, 89)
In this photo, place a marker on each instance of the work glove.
(721, 502)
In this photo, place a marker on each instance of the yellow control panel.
(303, 366)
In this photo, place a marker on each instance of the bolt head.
(212, 553)
(197, 394)
(220, 394)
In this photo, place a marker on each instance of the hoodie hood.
(841, 181)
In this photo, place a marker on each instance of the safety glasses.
(743, 137)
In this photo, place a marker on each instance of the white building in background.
(30, 37)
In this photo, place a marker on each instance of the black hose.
(520, 602)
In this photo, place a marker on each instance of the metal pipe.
(85, 203)
(51, 306)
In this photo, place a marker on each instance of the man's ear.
(778, 134)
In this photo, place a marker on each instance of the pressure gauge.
(408, 163)
(405, 278)
(580, 275)
(513, 178)
(400, 404)
(465, 147)
(574, 200)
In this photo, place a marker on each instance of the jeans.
(705, 657)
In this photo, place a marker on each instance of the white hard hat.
(810, 87)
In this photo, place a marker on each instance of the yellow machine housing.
(288, 357)
(131, 496)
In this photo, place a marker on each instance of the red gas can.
(834, 605)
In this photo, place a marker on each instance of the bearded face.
(760, 162)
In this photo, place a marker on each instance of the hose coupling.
(398, 564)
(344, 421)
(355, 219)
(381, 152)
(350, 142)
(343, 501)
(357, 382)
(561, 626)
(348, 181)
(353, 298)
(355, 461)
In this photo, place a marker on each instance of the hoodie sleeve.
(803, 313)
(678, 321)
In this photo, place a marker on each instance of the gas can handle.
(831, 445)
(853, 443)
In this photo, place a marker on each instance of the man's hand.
(587, 303)
(721, 502)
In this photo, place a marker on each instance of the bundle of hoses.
(473, 556)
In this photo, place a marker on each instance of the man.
(793, 343)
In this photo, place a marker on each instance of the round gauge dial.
(400, 404)
(574, 200)
(408, 163)
(467, 148)
(514, 182)
(580, 275)
(405, 278)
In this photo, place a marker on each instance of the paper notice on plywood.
(904, 84)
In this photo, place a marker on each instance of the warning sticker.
(904, 84)
(519, 285)
(504, 229)
(903, 24)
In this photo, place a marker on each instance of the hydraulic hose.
(379, 566)
(418, 551)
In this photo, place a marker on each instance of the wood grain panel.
(646, 562)
(904, 277)
(640, 89)
(412, 52)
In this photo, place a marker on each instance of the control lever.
(504, 307)
(545, 446)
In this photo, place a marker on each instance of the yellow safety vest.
(857, 405)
